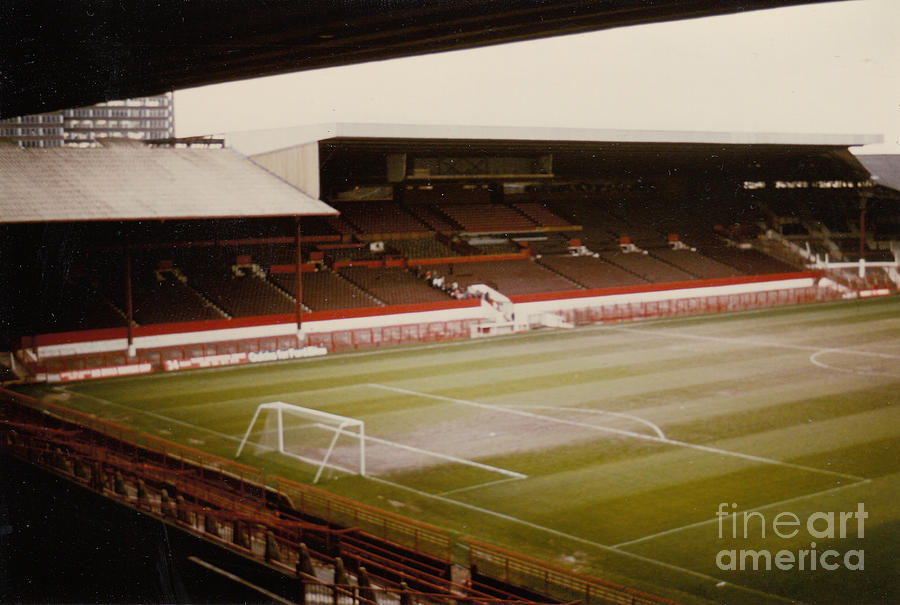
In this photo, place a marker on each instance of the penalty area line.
(749, 510)
(654, 438)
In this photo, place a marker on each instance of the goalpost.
(308, 438)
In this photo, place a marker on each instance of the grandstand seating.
(394, 286)
(380, 217)
(510, 277)
(646, 267)
(78, 307)
(420, 247)
(326, 291)
(163, 298)
(488, 218)
(245, 295)
(591, 272)
(433, 218)
(749, 262)
(541, 214)
(694, 263)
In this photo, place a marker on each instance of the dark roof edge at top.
(256, 142)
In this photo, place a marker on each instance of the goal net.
(312, 436)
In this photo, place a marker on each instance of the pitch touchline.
(764, 506)
(574, 538)
(656, 439)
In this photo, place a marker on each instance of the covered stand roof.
(58, 53)
(130, 181)
(256, 142)
(885, 168)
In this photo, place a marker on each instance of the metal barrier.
(335, 510)
(556, 582)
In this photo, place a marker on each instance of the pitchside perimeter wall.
(104, 353)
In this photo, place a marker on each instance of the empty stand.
(591, 272)
(434, 218)
(749, 262)
(246, 295)
(695, 263)
(541, 214)
(380, 218)
(326, 291)
(488, 218)
(163, 298)
(394, 286)
(510, 277)
(646, 267)
(420, 247)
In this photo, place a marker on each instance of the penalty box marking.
(675, 442)
(749, 510)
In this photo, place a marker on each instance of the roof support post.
(129, 306)
(299, 292)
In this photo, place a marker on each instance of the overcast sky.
(823, 68)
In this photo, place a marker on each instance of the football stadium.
(360, 363)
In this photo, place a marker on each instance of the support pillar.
(129, 306)
(299, 293)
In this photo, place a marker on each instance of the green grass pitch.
(607, 449)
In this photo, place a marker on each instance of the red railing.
(556, 582)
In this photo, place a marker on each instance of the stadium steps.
(577, 283)
(204, 299)
(378, 302)
(284, 291)
(610, 259)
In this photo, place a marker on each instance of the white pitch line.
(155, 415)
(655, 427)
(696, 446)
(764, 506)
(574, 538)
(479, 486)
(822, 364)
(412, 448)
(747, 341)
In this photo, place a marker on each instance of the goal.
(312, 436)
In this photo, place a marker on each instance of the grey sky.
(832, 67)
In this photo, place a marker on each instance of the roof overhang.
(257, 142)
(58, 54)
(128, 182)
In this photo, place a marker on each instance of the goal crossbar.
(326, 420)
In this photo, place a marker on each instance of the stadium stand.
(591, 272)
(243, 293)
(393, 286)
(420, 247)
(646, 267)
(694, 263)
(510, 277)
(325, 290)
(488, 218)
(434, 218)
(541, 214)
(749, 261)
(160, 297)
(380, 217)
